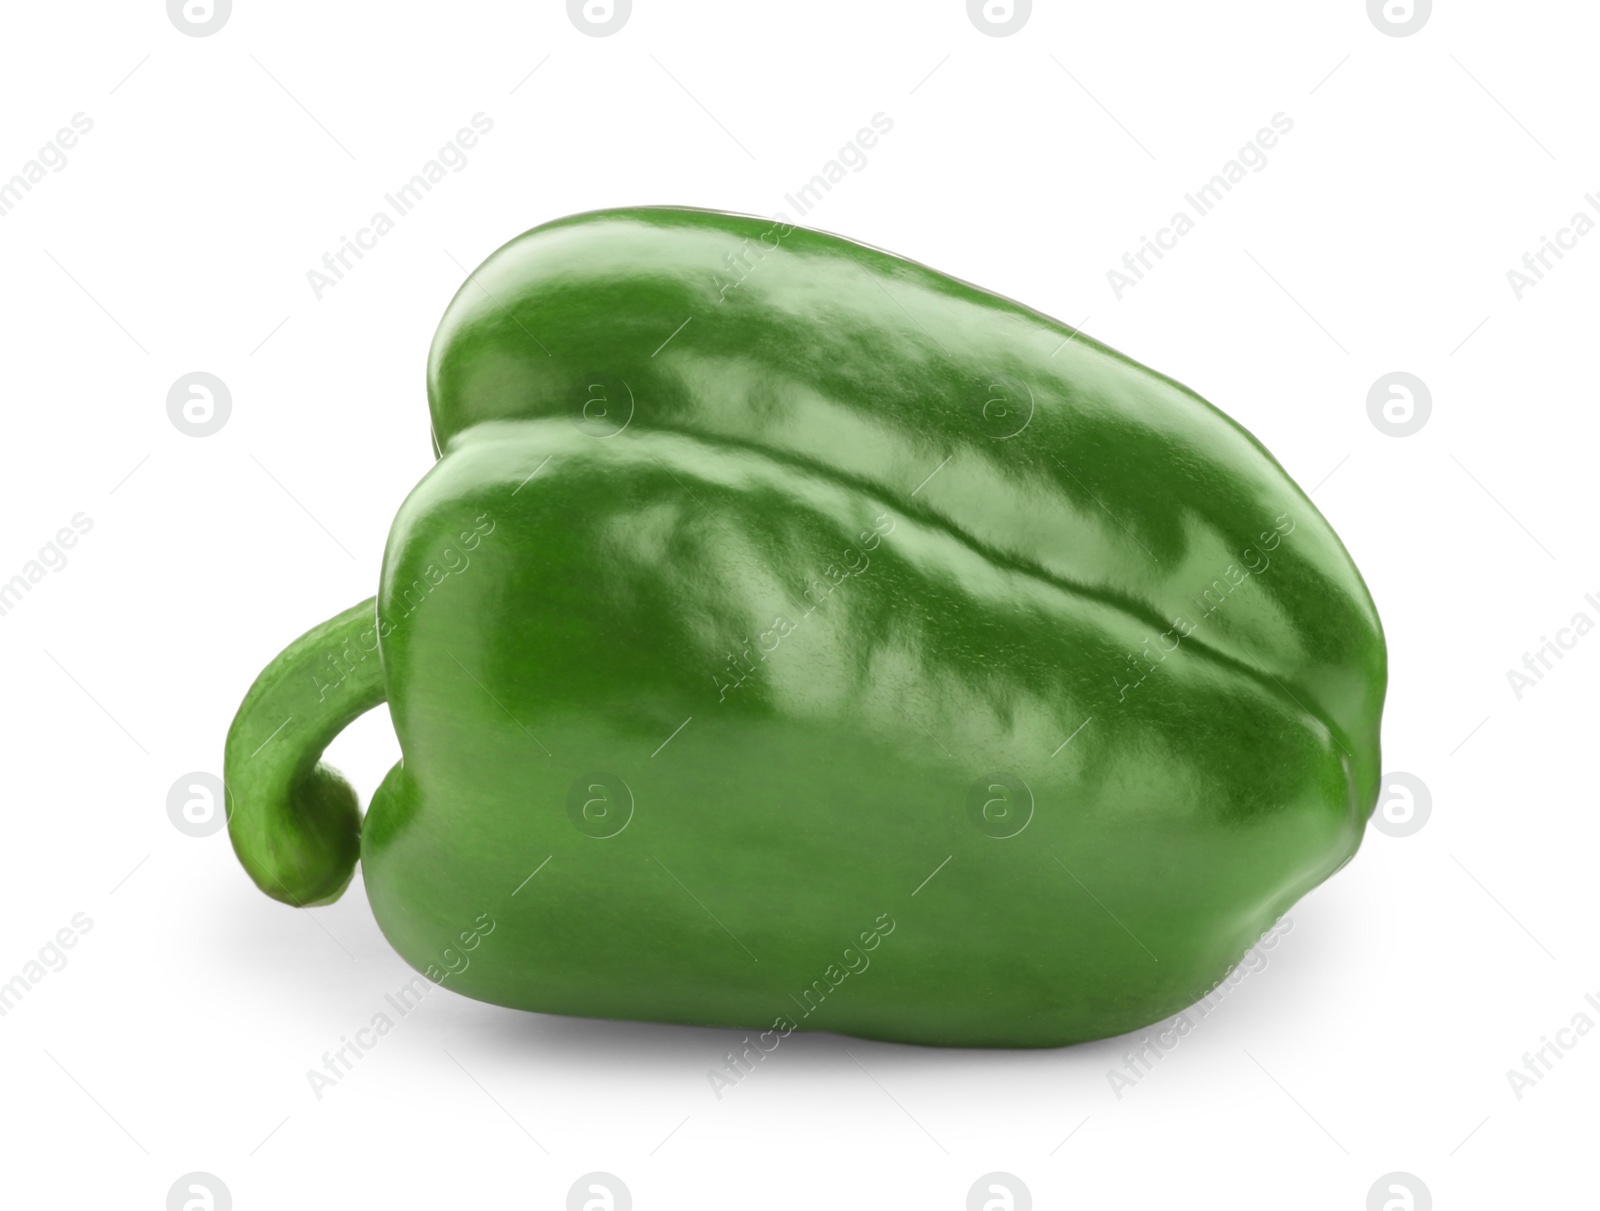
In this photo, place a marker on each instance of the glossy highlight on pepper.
(775, 599)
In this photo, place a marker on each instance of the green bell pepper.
(793, 637)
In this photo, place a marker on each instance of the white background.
(177, 238)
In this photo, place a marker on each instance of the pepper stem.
(294, 821)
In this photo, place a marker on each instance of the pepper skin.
(793, 637)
